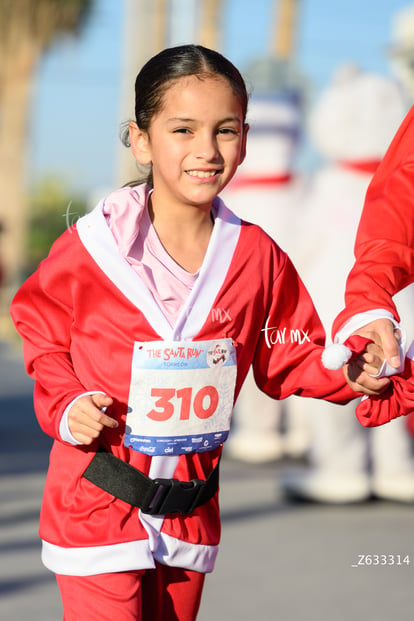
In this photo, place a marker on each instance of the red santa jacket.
(79, 316)
(384, 247)
(396, 401)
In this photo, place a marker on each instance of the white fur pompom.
(335, 356)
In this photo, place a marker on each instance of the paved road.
(278, 560)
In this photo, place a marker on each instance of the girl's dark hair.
(172, 64)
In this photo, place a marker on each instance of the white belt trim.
(128, 556)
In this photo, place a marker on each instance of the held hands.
(391, 396)
(383, 332)
(86, 417)
(360, 371)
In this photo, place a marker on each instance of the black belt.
(153, 496)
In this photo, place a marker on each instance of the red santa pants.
(160, 594)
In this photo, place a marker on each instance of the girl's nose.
(206, 148)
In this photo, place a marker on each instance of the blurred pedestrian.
(351, 125)
(269, 191)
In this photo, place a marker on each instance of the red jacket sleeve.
(397, 401)
(384, 247)
(288, 357)
(44, 323)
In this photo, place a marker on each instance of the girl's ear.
(139, 141)
(246, 128)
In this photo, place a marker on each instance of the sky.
(76, 111)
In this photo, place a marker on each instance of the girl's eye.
(181, 130)
(228, 131)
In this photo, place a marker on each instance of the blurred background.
(66, 84)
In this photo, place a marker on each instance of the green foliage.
(51, 211)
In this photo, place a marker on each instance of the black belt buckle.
(174, 496)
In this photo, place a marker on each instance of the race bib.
(181, 396)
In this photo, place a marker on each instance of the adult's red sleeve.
(384, 246)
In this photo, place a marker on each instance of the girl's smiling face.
(195, 142)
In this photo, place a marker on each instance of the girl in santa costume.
(268, 179)
(139, 329)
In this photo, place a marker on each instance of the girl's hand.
(372, 359)
(86, 418)
(383, 332)
(361, 371)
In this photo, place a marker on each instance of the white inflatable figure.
(401, 50)
(267, 192)
(351, 125)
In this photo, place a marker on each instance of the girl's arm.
(44, 323)
(288, 357)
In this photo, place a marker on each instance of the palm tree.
(210, 27)
(283, 44)
(27, 28)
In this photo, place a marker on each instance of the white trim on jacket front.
(98, 240)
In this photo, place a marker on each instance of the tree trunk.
(15, 96)
(210, 23)
(27, 27)
(286, 26)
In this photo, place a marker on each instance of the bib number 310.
(168, 400)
